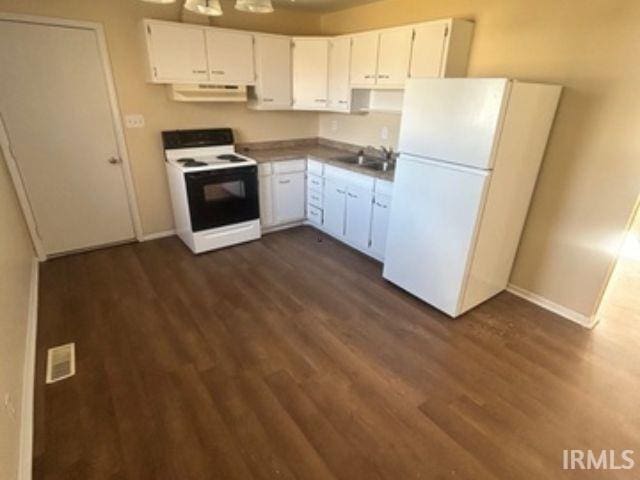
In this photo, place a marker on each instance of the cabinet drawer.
(314, 215)
(290, 166)
(315, 167)
(265, 169)
(315, 183)
(314, 198)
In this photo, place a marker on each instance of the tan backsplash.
(361, 129)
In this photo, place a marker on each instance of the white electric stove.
(214, 191)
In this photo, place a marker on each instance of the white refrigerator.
(470, 152)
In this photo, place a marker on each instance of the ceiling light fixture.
(254, 6)
(204, 7)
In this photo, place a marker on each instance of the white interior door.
(434, 215)
(59, 122)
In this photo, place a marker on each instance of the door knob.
(114, 160)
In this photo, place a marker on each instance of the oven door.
(222, 197)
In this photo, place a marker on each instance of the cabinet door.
(230, 57)
(273, 64)
(310, 73)
(364, 59)
(428, 50)
(394, 57)
(265, 186)
(289, 197)
(177, 53)
(358, 219)
(379, 225)
(335, 204)
(339, 61)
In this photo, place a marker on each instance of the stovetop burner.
(191, 162)
(231, 158)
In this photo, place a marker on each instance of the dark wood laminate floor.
(288, 358)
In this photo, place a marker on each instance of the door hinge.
(149, 29)
(413, 35)
(446, 31)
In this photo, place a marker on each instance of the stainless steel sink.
(354, 160)
(379, 166)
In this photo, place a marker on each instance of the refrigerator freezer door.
(456, 120)
(435, 212)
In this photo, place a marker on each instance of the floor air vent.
(61, 362)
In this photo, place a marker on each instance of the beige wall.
(121, 22)
(16, 257)
(591, 174)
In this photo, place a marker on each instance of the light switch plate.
(134, 121)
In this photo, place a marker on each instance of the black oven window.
(224, 191)
(222, 197)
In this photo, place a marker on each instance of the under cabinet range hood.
(182, 92)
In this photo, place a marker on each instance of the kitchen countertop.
(325, 151)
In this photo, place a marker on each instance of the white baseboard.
(579, 318)
(279, 228)
(28, 380)
(158, 235)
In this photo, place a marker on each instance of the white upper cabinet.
(364, 59)
(177, 52)
(230, 56)
(273, 69)
(394, 57)
(310, 73)
(441, 49)
(428, 48)
(339, 63)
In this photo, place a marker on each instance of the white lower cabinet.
(379, 225)
(358, 216)
(265, 194)
(349, 206)
(289, 197)
(335, 207)
(282, 193)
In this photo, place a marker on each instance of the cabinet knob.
(217, 72)
(114, 160)
(199, 71)
(284, 182)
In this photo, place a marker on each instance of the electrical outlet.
(9, 407)
(134, 121)
(384, 133)
(334, 125)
